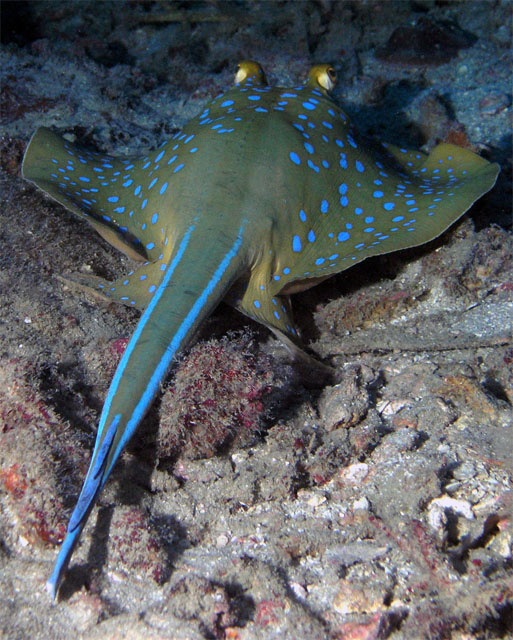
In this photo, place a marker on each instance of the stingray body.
(266, 192)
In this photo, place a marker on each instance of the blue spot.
(288, 95)
(144, 203)
(286, 271)
(119, 209)
(378, 182)
(125, 282)
(328, 125)
(159, 157)
(253, 97)
(162, 267)
(369, 229)
(193, 150)
(154, 218)
(359, 166)
(339, 143)
(388, 206)
(324, 206)
(277, 277)
(112, 198)
(84, 179)
(296, 244)
(152, 183)
(344, 201)
(163, 188)
(152, 288)
(313, 166)
(378, 194)
(311, 236)
(416, 208)
(342, 189)
(309, 106)
(359, 246)
(358, 211)
(343, 236)
(302, 216)
(398, 219)
(308, 147)
(172, 159)
(410, 202)
(294, 157)
(127, 183)
(143, 277)
(325, 164)
(150, 245)
(343, 161)
(352, 142)
(369, 219)
(276, 315)
(333, 257)
(319, 261)
(298, 127)
(255, 302)
(137, 190)
(178, 168)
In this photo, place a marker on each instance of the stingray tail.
(196, 279)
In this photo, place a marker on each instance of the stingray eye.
(250, 71)
(327, 78)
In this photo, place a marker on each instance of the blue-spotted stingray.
(265, 193)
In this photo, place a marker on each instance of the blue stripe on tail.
(93, 480)
(175, 344)
(140, 326)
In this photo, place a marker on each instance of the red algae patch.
(217, 398)
(37, 461)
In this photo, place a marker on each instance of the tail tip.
(52, 586)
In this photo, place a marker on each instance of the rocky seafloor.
(253, 505)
